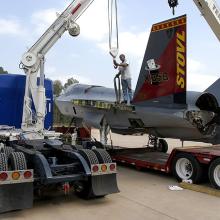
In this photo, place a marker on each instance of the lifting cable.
(113, 27)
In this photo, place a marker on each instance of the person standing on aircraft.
(124, 72)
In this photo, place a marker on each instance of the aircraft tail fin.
(163, 72)
(214, 87)
(214, 90)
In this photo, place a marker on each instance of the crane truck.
(32, 158)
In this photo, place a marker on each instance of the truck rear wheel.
(3, 162)
(214, 173)
(7, 150)
(186, 167)
(102, 156)
(83, 189)
(17, 161)
(89, 156)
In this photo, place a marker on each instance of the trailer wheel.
(186, 167)
(3, 162)
(102, 156)
(214, 173)
(7, 150)
(162, 146)
(17, 161)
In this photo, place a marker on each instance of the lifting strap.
(113, 27)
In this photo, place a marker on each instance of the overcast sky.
(86, 57)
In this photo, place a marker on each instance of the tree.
(2, 71)
(57, 87)
(59, 119)
(70, 81)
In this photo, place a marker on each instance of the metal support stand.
(182, 143)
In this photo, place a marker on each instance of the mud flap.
(16, 196)
(104, 184)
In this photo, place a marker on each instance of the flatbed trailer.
(185, 163)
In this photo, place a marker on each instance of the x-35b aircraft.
(161, 106)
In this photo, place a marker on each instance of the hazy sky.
(86, 57)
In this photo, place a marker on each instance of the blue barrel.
(12, 89)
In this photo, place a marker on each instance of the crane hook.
(173, 4)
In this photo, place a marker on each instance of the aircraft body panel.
(161, 121)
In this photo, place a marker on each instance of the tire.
(102, 156)
(89, 156)
(163, 146)
(7, 151)
(3, 162)
(214, 173)
(17, 161)
(186, 167)
(83, 189)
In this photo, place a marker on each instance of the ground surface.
(144, 195)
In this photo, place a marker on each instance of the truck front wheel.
(186, 167)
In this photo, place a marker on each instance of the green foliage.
(59, 119)
(2, 71)
(70, 81)
(57, 87)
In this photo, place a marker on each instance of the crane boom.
(33, 61)
(211, 12)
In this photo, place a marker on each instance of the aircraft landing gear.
(104, 131)
(157, 144)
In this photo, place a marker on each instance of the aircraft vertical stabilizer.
(163, 72)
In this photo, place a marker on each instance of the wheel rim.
(216, 175)
(184, 168)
